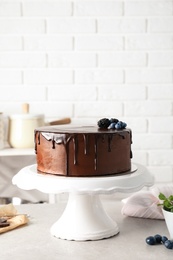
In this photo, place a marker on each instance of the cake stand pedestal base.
(84, 219)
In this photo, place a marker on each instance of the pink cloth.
(143, 204)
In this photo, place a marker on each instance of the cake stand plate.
(84, 217)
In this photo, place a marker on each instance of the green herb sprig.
(167, 202)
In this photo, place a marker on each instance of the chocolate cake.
(83, 151)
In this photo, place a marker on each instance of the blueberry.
(169, 244)
(158, 238)
(164, 239)
(150, 240)
(120, 125)
(112, 126)
(124, 125)
(114, 120)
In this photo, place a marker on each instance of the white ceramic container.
(21, 129)
(169, 221)
(1, 131)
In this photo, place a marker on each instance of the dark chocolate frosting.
(65, 134)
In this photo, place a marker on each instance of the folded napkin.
(10, 219)
(143, 204)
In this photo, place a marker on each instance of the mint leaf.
(162, 196)
(171, 198)
(167, 202)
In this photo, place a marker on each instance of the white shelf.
(16, 152)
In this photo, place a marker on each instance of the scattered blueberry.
(158, 238)
(169, 244)
(164, 239)
(150, 240)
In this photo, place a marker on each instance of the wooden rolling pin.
(62, 121)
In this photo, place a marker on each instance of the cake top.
(76, 129)
(105, 125)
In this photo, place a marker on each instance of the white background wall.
(94, 59)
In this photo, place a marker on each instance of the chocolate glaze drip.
(95, 153)
(103, 138)
(39, 138)
(131, 154)
(75, 141)
(109, 142)
(36, 142)
(85, 136)
(65, 138)
(53, 144)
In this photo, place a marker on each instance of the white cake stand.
(84, 217)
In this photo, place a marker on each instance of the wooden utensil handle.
(62, 121)
(25, 108)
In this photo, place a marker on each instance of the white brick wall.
(91, 59)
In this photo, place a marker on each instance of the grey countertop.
(34, 241)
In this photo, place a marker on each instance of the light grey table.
(34, 241)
